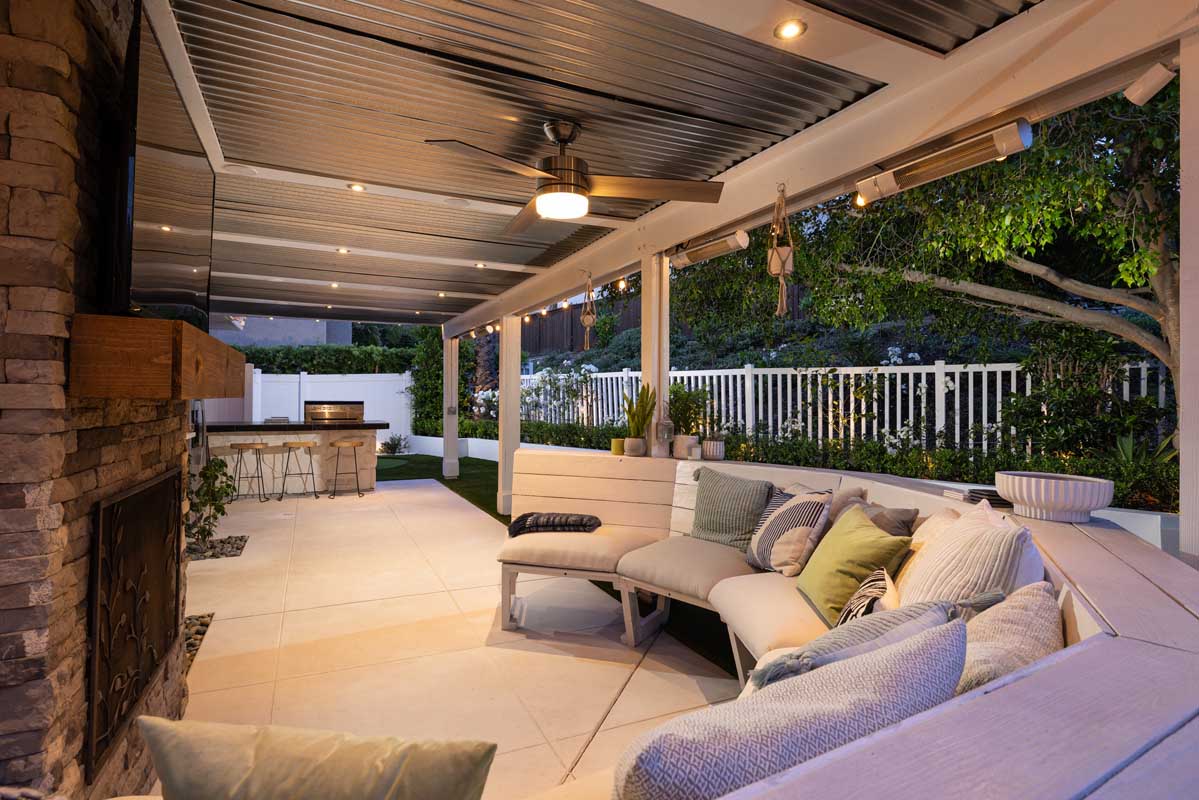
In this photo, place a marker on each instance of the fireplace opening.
(133, 606)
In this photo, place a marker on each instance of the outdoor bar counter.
(222, 435)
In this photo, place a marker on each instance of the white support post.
(747, 396)
(301, 394)
(939, 401)
(248, 394)
(509, 409)
(449, 408)
(655, 338)
(256, 395)
(1187, 378)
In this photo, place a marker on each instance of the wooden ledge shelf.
(150, 359)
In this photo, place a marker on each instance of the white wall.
(385, 397)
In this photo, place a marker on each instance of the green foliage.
(686, 409)
(384, 335)
(426, 380)
(605, 329)
(207, 495)
(396, 444)
(328, 359)
(1076, 406)
(1149, 485)
(1095, 198)
(640, 411)
(571, 434)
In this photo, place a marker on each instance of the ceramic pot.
(1060, 498)
(683, 444)
(713, 450)
(634, 447)
(618, 447)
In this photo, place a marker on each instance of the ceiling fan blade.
(494, 159)
(655, 188)
(520, 223)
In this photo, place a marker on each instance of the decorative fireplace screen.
(133, 605)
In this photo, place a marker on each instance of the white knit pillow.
(979, 552)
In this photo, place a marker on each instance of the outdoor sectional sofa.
(1129, 616)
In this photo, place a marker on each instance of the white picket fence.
(961, 404)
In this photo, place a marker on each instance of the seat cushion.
(766, 612)
(598, 551)
(684, 565)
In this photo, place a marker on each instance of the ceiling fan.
(564, 182)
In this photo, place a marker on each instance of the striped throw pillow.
(786, 538)
(864, 599)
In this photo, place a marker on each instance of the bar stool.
(293, 447)
(339, 445)
(241, 448)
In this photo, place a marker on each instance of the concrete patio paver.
(379, 616)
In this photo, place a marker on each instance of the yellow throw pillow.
(852, 549)
(213, 761)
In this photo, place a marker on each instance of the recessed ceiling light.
(357, 187)
(328, 306)
(195, 269)
(166, 228)
(418, 313)
(333, 286)
(441, 294)
(480, 264)
(270, 318)
(343, 250)
(318, 321)
(790, 29)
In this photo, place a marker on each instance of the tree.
(1082, 229)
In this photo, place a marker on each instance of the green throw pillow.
(727, 508)
(852, 549)
(213, 761)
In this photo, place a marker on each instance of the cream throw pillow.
(1022, 629)
(212, 761)
(979, 552)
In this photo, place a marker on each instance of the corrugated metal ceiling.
(350, 88)
(940, 25)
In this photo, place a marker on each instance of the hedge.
(329, 359)
(1148, 485)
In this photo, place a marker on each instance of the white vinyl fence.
(960, 403)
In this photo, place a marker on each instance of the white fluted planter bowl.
(1058, 498)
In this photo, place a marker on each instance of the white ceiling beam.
(170, 41)
(374, 288)
(1023, 64)
(830, 38)
(295, 244)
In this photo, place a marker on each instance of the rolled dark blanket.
(542, 522)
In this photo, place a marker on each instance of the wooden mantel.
(150, 359)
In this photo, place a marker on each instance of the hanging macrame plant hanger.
(780, 258)
(588, 316)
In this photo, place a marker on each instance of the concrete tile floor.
(379, 616)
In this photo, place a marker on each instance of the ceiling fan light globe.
(562, 205)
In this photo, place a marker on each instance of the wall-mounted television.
(161, 242)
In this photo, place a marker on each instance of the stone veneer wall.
(59, 66)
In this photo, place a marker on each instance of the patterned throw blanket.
(541, 522)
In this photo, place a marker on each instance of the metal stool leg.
(237, 476)
(311, 473)
(286, 467)
(336, 472)
(262, 498)
(357, 485)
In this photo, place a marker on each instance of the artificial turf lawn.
(477, 481)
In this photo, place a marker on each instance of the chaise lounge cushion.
(765, 611)
(684, 565)
(598, 551)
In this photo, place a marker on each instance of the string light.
(622, 284)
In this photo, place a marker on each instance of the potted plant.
(713, 444)
(640, 412)
(686, 411)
